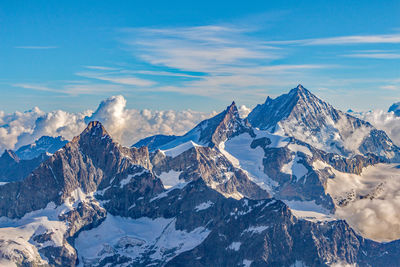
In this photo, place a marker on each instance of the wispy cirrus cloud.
(213, 60)
(36, 87)
(73, 88)
(345, 40)
(117, 78)
(391, 87)
(197, 49)
(374, 55)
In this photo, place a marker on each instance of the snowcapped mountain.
(230, 192)
(302, 115)
(44, 144)
(15, 166)
(395, 108)
(212, 131)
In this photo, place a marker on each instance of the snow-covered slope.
(155, 141)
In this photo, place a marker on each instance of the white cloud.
(125, 125)
(244, 111)
(131, 125)
(376, 216)
(374, 55)
(118, 79)
(216, 60)
(36, 87)
(75, 88)
(386, 121)
(346, 40)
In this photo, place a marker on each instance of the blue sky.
(199, 55)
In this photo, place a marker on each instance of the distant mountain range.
(281, 187)
(15, 166)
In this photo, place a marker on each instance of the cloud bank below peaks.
(386, 121)
(124, 125)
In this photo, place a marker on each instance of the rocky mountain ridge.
(227, 193)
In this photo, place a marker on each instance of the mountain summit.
(304, 116)
(210, 132)
(298, 105)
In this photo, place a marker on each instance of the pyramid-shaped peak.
(299, 103)
(300, 91)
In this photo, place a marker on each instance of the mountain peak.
(298, 100)
(301, 92)
(232, 108)
(212, 131)
(95, 128)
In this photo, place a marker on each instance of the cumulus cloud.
(386, 121)
(131, 125)
(124, 125)
(244, 111)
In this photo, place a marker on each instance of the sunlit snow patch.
(170, 178)
(309, 210)
(176, 151)
(238, 151)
